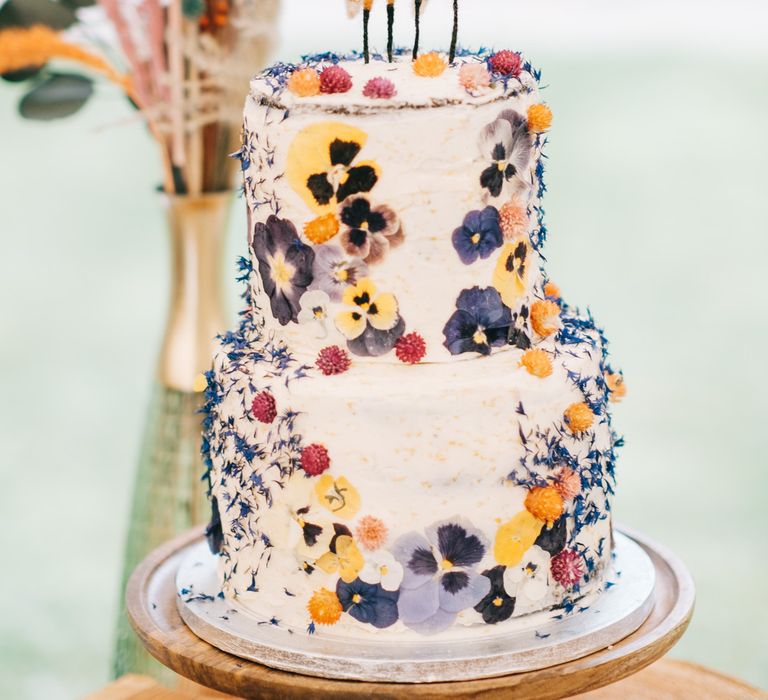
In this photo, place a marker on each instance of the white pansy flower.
(382, 567)
(294, 523)
(314, 309)
(528, 583)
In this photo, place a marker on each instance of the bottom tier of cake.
(404, 500)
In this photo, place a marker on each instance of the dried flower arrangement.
(183, 64)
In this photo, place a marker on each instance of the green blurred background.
(657, 211)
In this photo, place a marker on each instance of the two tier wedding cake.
(410, 433)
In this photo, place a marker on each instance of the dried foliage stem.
(173, 38)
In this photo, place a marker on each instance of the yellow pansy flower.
(338, 496)
(320, 169)
(511, 271)
(380, 310)
(515, 537)
(347, 561)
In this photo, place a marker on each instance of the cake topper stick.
(455, 35)
(367, 4)
(390, 28)
(418, 30)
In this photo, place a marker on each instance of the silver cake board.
(539, 640)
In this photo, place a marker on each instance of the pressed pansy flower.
(479, 323)
(515, 537)
(552, 538)
(344, 558)
(369, 232)
(528, 583)
(334, 271)
(338, 496)
(507, 144)
(368, 603)
(285, 266)
(314, 310)
(498, 605)
(439, 577)
(321, 165)
(373, 325)
(382, 567)
(478, 236)
(519, 331)
(293, 523)
(511, 272)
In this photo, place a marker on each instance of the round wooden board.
(151, 606)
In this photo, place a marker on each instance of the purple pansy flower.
(285, 266)
(478, 236)
(334, 271)
(368, 602)
(439, 578)
(480, 322)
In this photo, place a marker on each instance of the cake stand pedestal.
(151, 605)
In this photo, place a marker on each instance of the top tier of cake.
(395, 207)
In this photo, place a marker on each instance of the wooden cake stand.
(151, 606)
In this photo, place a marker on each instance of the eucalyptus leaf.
(60, 95)
(26, 13)
(19, 76)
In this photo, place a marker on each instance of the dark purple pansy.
(439, 579)
(498, 605)
(519, 329)
(285, 266)
(374, 342)
(480, 322)
(368, 603)
(478, 236)
(369, 232)
(553, 539)
(507, 143)
(344, 179)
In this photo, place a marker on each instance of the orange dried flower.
(371, 532)
(539, 118)
(430, 65)
(513, 220)
(616, 386)
(321, 229)
(304, 82)
(545, 317)
(579, 417)
(551, 290)
(544, 503)
(324, 607)
(537, 362)
(567, 483)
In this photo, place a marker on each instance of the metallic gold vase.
(169, 496)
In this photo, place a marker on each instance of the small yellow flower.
(544, 503)
(324, 607)
(579, 417)
(200, 384)
(545, 317)
(322, 229)
(539, 118)
(338, 496)
(537, 362)
(515, 537)
(304, 82)
(347, 561)
(380, 310)
(430, 65)
(511, 272)
(616, 386)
